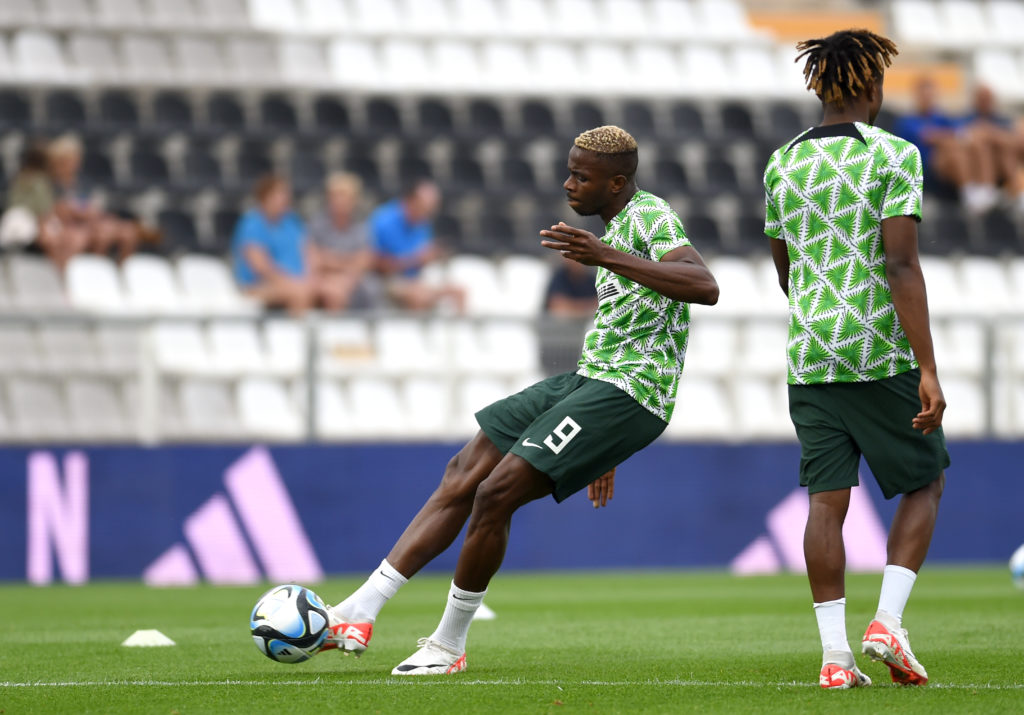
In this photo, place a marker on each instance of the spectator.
(997, 142)
(571, 292)
(269, 252)
(403, 240)
(32, 196)
(80, 211)
(946, 152)
(340, 244)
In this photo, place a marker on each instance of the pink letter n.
(58, 518)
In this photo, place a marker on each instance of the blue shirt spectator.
(916, 128)
(396, 237)
(283, 241)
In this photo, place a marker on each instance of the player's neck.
(847, 115)
(612, 209)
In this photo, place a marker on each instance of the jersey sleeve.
(772, 222)
(903, 181)
(667, 236)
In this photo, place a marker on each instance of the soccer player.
(568, 431)
(843, 200)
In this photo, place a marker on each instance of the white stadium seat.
(96, 56)
(265, 410)
(525, 18)
(761, 409)
(406, 65)
(252, 61)
(354, 64)
(703, 411)
(345, 346)
(325, 16)
(476, 18)
(199, 60)
(208, 410)
(506, 67)
(209, 288)
(428, 406)
(524, 282)
(334, 415)
(147, 60)
(68, 348)
(404, 345)
(180, 347)
(712, 348)
(18, 13)
(96, 410)
(120, 14)
(285, 342)
(656, 69)
(964, 417)
(119, 347)
(762, 349)
(456, 66)
(580, 18)
(1006, 20)
(223, 15)
(151, 286)
(35, 284)
(172, 16)
(626, 19)
(65, 14)
(471, 395)
(426, 18)
(754, 71)
(480, 279)
(94, 285)
(376, 17)
(705, 71)
(674, 19)
(280, 16)
(945, 296)
(235, 347)
(37, 410)
(303, 62)
(1001, 70)
(19, 350)
(965, 22)
(37, 57)
(917, 22)
(377, 410)
(722, 19)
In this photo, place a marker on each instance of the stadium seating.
(183, 104)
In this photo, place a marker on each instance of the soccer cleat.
(347, 637)
(839, 672)
(432, 658)
(889, 644)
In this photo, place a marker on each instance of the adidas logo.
(782, 548)
(249, 532)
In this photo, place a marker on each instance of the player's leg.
(430, 532)
(583, 436)
(440, 520)
(828, 468)
(513, 483)
(909, 463)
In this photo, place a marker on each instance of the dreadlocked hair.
(842, 65)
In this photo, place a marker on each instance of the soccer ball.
(1017, 567)
(289, 624)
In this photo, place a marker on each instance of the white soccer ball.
(289, 624)
(1017, 567)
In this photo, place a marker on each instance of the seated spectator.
(340, 243)
(998, 143)
(32, 195)
(571, 291)
(81, 212)
(269, 253)
(946, 152)
(403, 240)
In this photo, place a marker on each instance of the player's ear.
(618, 183)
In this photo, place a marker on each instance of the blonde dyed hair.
(608, 139)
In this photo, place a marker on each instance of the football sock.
(831, 617)
(458, 614)
(896, 585)
(368, 599)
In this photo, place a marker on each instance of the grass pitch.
(582, 642)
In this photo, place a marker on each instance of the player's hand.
(933, 404)
(575, 244)
(601, 490)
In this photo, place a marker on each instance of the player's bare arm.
(780, 256)
(680, 275)
(906, 281)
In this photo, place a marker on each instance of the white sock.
(458, 614)
(364, 605)
(896, 585)
(831, 617)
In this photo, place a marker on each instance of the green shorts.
(837, 422)
(571, 428)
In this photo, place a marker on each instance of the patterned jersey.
(826, 195)
(639, 337)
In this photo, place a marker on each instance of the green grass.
(588, 642)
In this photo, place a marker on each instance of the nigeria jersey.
(639, 337)
(826, 195)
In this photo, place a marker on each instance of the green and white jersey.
(826, 195)
(639, 337)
